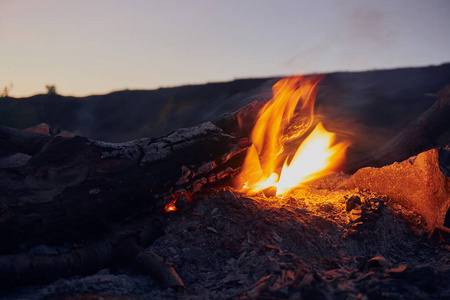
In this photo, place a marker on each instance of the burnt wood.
(124, 245)
(56, 189)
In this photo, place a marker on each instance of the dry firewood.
(421, 135)
(417, 183)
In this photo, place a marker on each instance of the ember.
(170, 207)
(314, 158)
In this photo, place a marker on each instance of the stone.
(416, 183)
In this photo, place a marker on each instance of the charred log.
(19, 141)
(241, 122)
(122, 245)
(72, 188)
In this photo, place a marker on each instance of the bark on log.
(66, 189)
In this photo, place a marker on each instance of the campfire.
(270, 202)
(266, 164)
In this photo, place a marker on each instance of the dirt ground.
(318, 242)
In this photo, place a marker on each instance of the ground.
(318, 242)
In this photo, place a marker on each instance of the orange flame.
(314, 158)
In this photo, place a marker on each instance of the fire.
(266, 164)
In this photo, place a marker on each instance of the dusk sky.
(93, 47)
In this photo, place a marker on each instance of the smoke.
(368, 25)
(362, 40)
(367, 37)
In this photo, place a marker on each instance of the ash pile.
(318, 243)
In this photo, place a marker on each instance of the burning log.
(417, 183)
(241, 122)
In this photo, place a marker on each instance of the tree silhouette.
(51, 90)
(6, 91)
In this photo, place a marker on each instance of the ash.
(316, 243)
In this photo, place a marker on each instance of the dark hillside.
(126, 115)
(376, 102)
(373, 106)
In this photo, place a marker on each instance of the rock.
(416, 183)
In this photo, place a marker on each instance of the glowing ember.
(266, 164)
(170, 207)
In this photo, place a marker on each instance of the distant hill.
(131, 114)
(381, 102)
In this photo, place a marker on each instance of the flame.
(317, 156)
